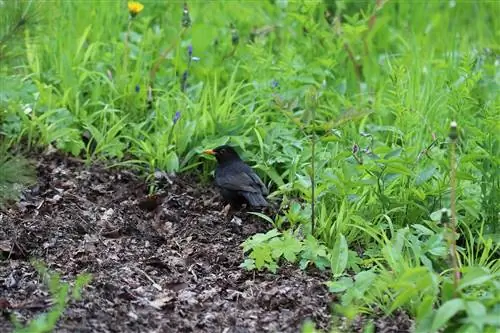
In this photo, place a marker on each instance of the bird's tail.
(255, 199)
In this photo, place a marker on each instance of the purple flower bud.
(355, 149)
(190, 51)
(176, 117)
(137, 88)
(184, 80)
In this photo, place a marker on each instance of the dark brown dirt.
(175, 269)
(167, 268)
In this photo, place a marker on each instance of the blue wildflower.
(274, 84)
(190, 51)
(137, 88)
(176, 117)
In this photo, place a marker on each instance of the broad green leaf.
(261, 255)
(425, 175)
(475, 309)
(425, 311)
(257, 239)
(364, 280)
(339, 256)
(474, 277)
(288, 246)
(400, 168)
(423, 229)
(447, 290)
(447, 311)
(172, 162)
(403, 298)
(437, 215)
(394, 153)
(339, 285)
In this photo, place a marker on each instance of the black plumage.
(237, 182)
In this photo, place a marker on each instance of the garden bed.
(174, 268)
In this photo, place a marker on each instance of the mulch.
(158, 264)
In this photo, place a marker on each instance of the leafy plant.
(267, 250)
(15, 173)
(60, 291)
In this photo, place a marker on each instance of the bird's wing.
(259, 182)
(241, 181)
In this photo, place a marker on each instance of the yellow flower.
(134, 8)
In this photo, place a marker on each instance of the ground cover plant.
(374, 124)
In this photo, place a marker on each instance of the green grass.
(374, 87)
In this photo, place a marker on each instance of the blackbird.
(237, 182)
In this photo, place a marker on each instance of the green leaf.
(447, 311)
(403, 298)
(400, 168)
(369, 327)
(309, 327)
(364, 280)
(81, 281)
(436, 216)
(447, 290)
(339, 256)
(393, 153)
(172, 162)
(474, 277)
(339, 285)
(425, 175)
(475, 309)
(287, 246)
(263, 216)
(258, 239)
(425, 313)
(271, 173)
(248, 264)
(262, 256)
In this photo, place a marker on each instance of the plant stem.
(313, 168)
(453, 184)
(125, 52)
(157, 63)
(313, 181)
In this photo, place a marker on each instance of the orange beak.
(209, 151)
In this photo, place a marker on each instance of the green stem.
(453, 186)
(125, 51)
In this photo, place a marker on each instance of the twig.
(155, 285)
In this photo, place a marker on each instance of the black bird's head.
(223, 154)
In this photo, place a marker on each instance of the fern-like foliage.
(16, 17)
(16, 172)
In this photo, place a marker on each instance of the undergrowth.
(344, 108)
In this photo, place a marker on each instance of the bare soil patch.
(171, 269)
